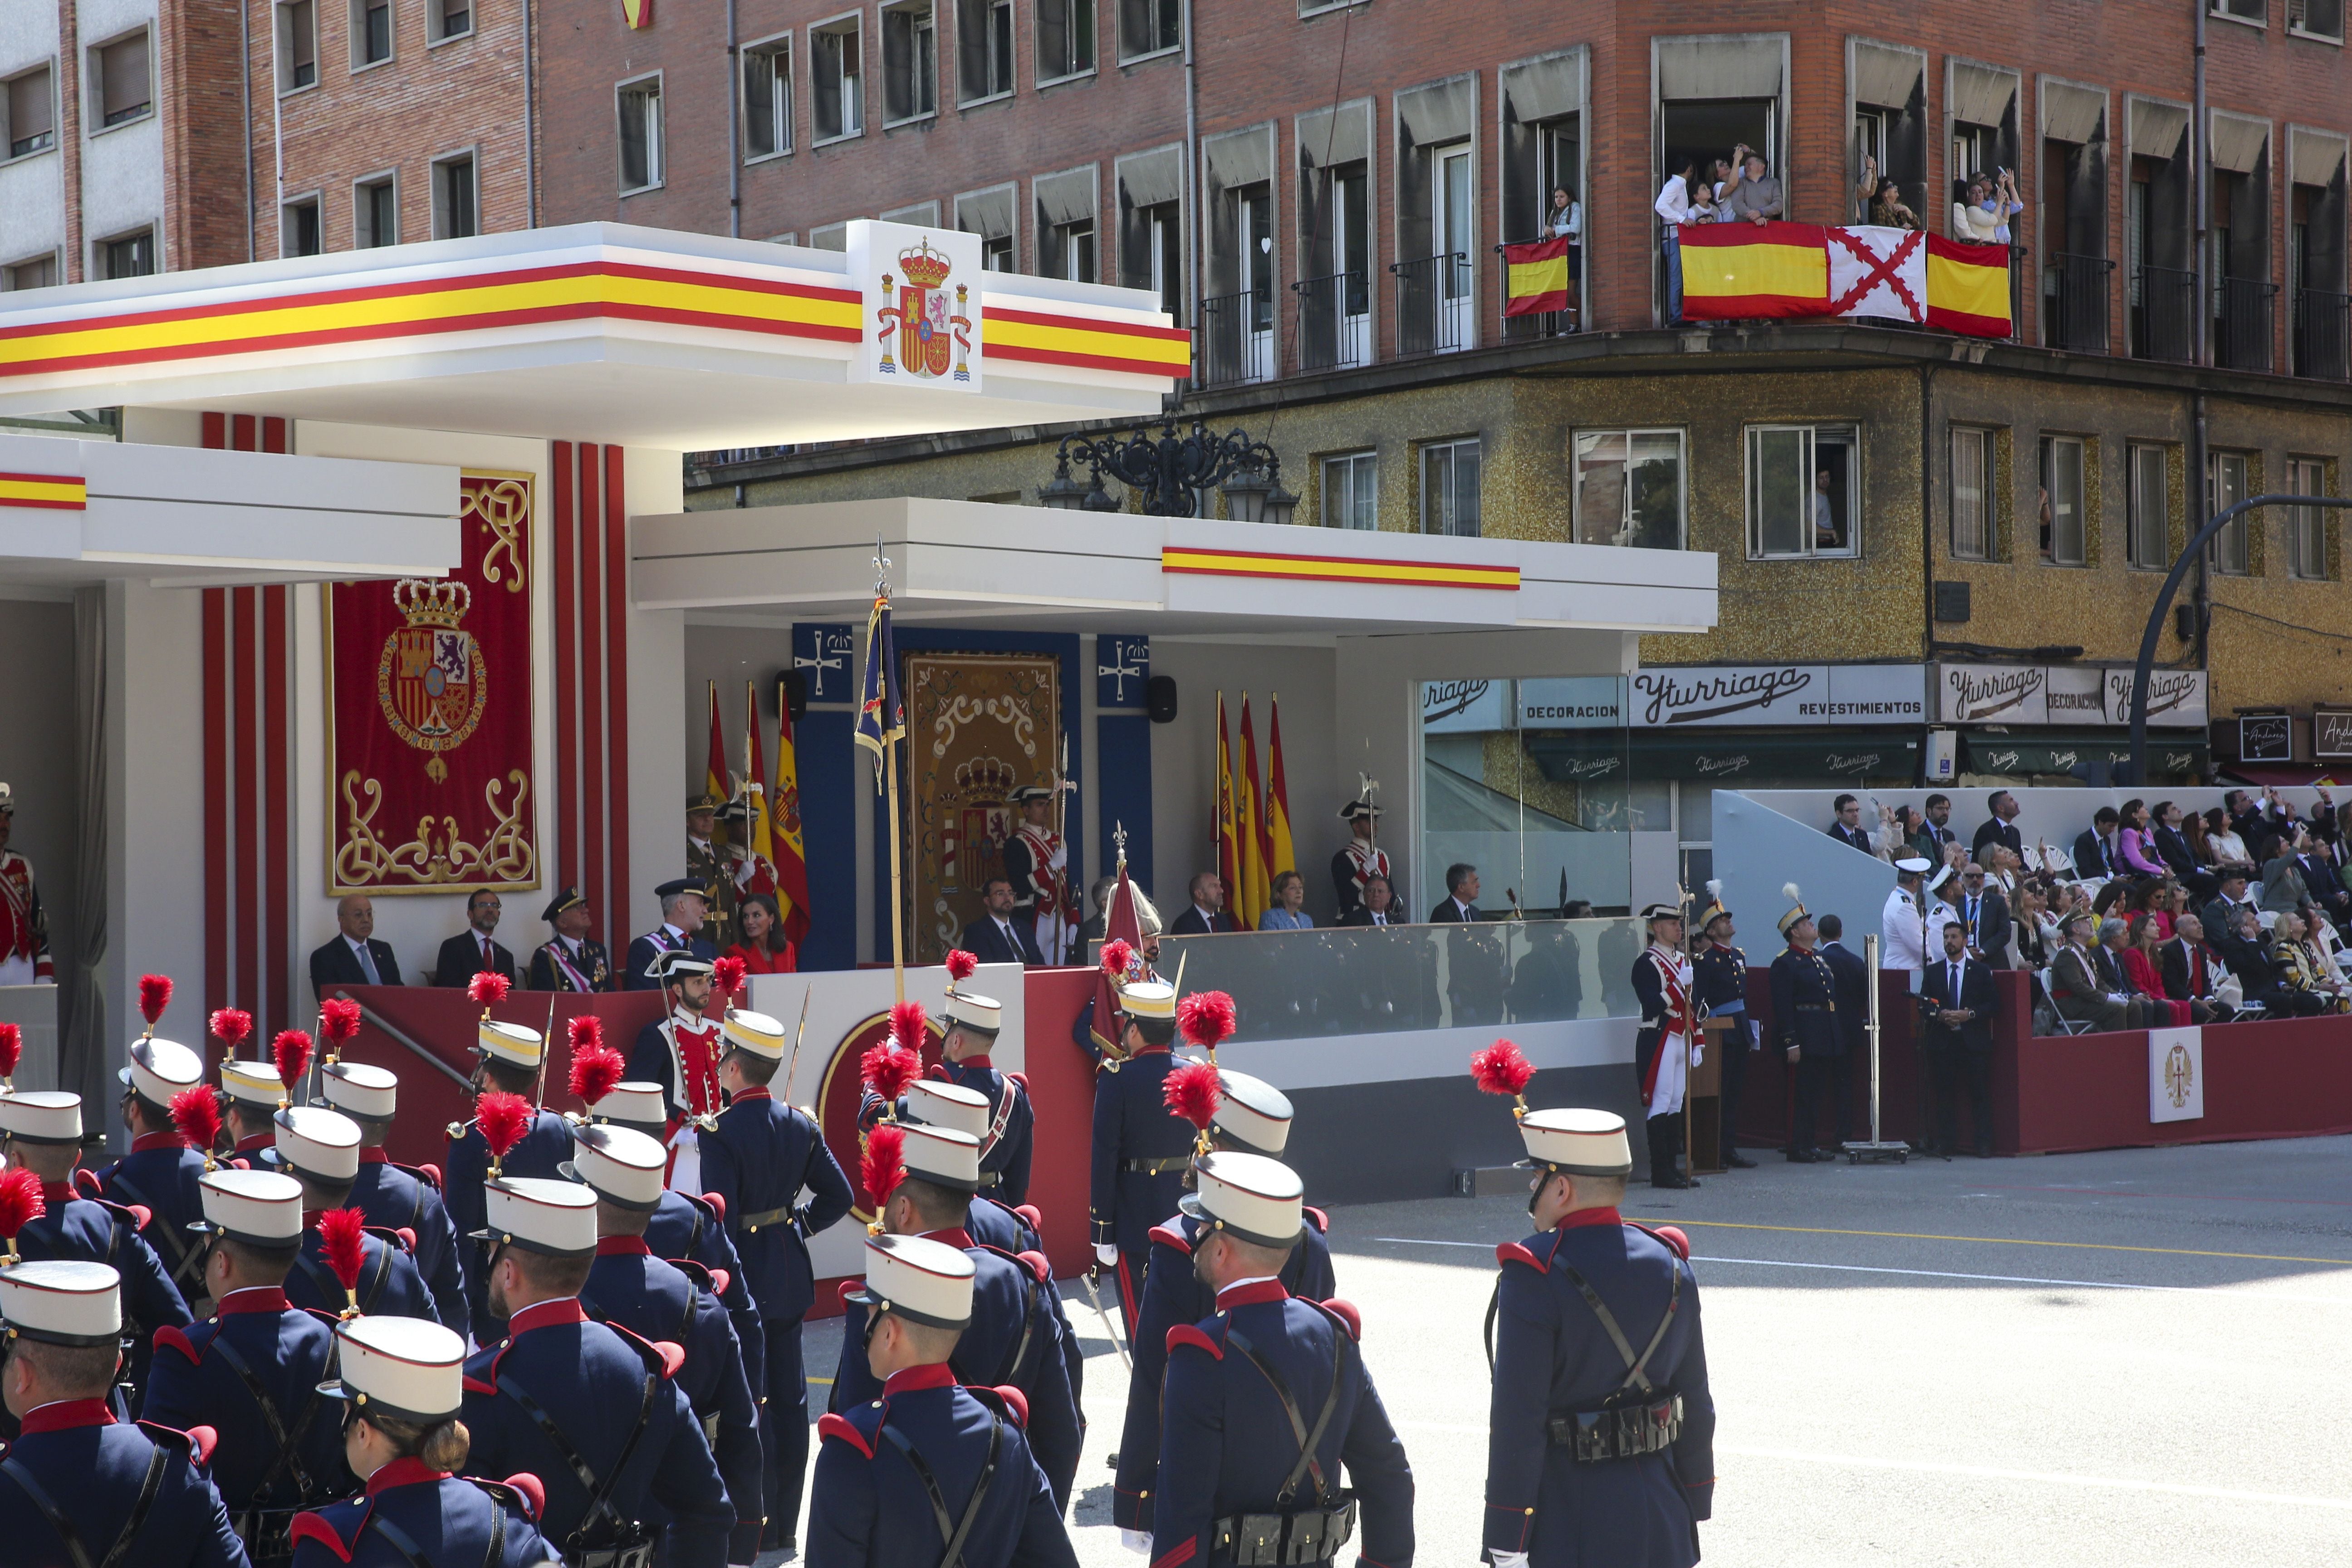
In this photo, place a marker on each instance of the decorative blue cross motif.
(823, 651)
(1125, 658)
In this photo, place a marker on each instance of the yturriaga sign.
(2035, 694)
(1778, 695)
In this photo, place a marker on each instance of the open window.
(1888, 83)
(992, 214)
(1716, 95)
(1066, 225)
(837, 96)
(2238, 268)
(1543, 173)
(1236, 326)
(1149, 27)
(2316, 295)
(768, 98)
(1065, 39)
(983, 49)
(1804, 490)
(639, 107)
(2073, 192)
(910, 62)
(1629, 488)
(298, 230)
(1335, 218)
(2159, 282)
(1437, 217)
(1151, 225)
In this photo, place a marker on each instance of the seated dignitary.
(395, 1197)
(321, 1149)
(685, 905)
(1252, 1117)
(506, 1080)
(1002, 934)
(352, 956)
(77, 1486)
(1601, 1438)
(159, 1175)
(251, 1370)
(473, 950)
(400, 1381)
(1237, 1483)
(934, 1465)
(571, 960)
(591, 1410)
(629, 1288)
(923, 1180)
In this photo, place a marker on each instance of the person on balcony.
(1753, 195)
(1674, 210)
(1972, 217)
(1288, 911)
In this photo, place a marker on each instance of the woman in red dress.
(2141, 974)
(763, 948)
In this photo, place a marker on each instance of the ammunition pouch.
(632, 1549)
(1285, 1539)
(1620, 1428)
(267, 1534)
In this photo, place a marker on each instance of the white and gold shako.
(980, 1014)
(1148, 999)
(41, 1116)
(1249, 1195)
(1252, 1114)
(62, 1301)
(410, 1369)
(634, 1104)
(514, 1045)
(1576, 1142)
(935, 1102)
(318, 1142)
(251, 1082)
(942, 1156)
(619, 1164)
(158, 1069)
(922, 1280)
(540, 1214)
(256, 1208)
(756, 1033)
(360, 1089)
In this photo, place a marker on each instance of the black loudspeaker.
(1159, 700)
(795, 684)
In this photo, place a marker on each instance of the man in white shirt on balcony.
(1674, 210)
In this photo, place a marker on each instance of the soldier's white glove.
(1136, 1541)
(1108, 1256)
(1510, 1559)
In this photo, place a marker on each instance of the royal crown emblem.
(431, 681)
(930, 332)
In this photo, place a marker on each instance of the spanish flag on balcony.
(1967, 287)
(1535, 281)
(1738, 271)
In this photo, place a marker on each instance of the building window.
(298, 228)
(1072, 252)
(2062, 523)
(2225, 486)
(457, 212)
(2307, 525)
(837, 108)
(2316, 18)
(996, 253)
(28, 109)
(1352, 491)
(768, 99)
(910, 63)
(1803, 486)
(1164, 226)
(1972, 493)
(641, 134)
(371, 33)
(298, 46)
(1449, 488)
(1150, 26)
(1629, 488)
(131, 256)
(40, 272)
(450, 19)
(1066, 39)
(2148, 500)
(375, 212)
(2240, 10)
(983, 48)
(120, 87)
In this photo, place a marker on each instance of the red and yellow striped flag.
(1967, 287)
(1535, 277)
(1738, 271)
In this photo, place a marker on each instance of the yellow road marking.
(2009, 1241)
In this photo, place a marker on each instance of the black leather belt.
(1156, 1167)
(1816, 1008)
(1626, 1431)
(766, 1217)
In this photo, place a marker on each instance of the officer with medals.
(251, 1371)
(572, 959)
(1719, 981)
(396, 1198)
(401, 1383)
(1036, 863)
(507, 1061)
(590, 1409)
(1903, 919)
(1253, 1117)
(1668, 1046)
(713, 867)
(78, 1486)
(934, 1470)
(1601, 1436)
(1141, 1148)
(1361, 860)
(686, 915)
(321, 1149)
(1804, 1024)
(1014, 1338)
(159, 1175)
(1267, 1398)
(680, 1051)
(629, 1288)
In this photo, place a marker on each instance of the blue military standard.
(399, 1198)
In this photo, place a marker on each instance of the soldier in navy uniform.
(686, 911)
(77, 1486)
(159, 1175)
(1805, 1025)
(757, 1157)
(629, 1288)
(1252, 1118)
(250, 1094)
(934, 1469)
(1243, 1384)
(321, 1149)
(507, 1062)
(1601, 1440)
(399, 1382)
(1014, 1338)
(1141, 1147)
(251, 1371)
(1719, 981)
(973, 1024)
(590, 1409)
(572, 959)
(399, 1198)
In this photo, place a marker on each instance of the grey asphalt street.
(2131, 1358)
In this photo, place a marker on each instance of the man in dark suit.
(997, 937)
(1375, 909)
(1847, 827)
(1849, 986)
(2327, 885)
(2192, 971)
(471, 952)
(2172, 849)
(1460, 904)
(2095, 856)
(1957, 996)
(1208, 912)
(353, 957)
(2000, 827)
(684, 904)
(1984, 912)
(1937, 831)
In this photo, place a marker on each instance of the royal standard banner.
(429, 713)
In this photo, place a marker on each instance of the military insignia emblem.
(930, 333)
(2179, 1076)
(432, 681)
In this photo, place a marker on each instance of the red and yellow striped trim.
(578, 291)
(62, 492)
(1338, 569)
(1087, 342)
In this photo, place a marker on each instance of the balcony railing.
(2322, 334)
(2074, 293)
(1544, 324)
(1335, 322)
(1433, 302)
(1236, 338)
(2242, 322)
(2162, 325)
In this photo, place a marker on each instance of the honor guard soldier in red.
(1361, 860)
(398, 1381)
(78, 1486)
(321, 1149)
(1663, 1045)
(931, 1470)
(1600, 1436)
(1141, 1147)
(590, 1409)
(159, 1175)
(395, 1197)
(507, 1061)
(1267, 1398)
(24, 929)
(680, 1051)
(251, 1370)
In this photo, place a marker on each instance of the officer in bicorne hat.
(1804, 1024)
(1719, 981)
(507, 1060)
(572, 959)
(680, 1051)
(159, 1175)
(1036, 863)
(1361, 860)
(321, 1149)
(1668, 1043)
(1141, 1148)
(395, 1197)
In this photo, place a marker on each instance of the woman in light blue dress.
(1289, 911)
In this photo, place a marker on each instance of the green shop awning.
(2173, 756)
(1726, 757)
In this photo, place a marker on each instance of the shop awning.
(2172, 758)
(1730, 758)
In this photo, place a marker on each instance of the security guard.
(572, 959)
(973, 1024)
(1141, 1147)
(251, 1095)
(1014, 1338)
(395, 1197)
(629, 1288)
(932, 1466)
(1601, 1441)
(321, 1149)
(757, 1157)
(1265, 1398)
(400, 1381)
(1804, 1024)
(251, 1371)
(77, 1486)
(1719, 981)
(507, 1061)
(159, 1175)
(1668, 1039)
(1252, 1118)
(591, 1410)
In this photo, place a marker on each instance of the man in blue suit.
(1141, 1147)
(1000, 936)
(399, 1198)
(159, 1175)
(684, 904)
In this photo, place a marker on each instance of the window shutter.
(123, 67)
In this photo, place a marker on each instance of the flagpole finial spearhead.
(881, 569)
(1118, 840)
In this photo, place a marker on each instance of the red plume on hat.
(585, 1033)
(12, 1050)
(887, 1070)
(196, 1117)
(961, 966)
(338, 1020)
(155, 995)
(503, 1118)
(291, 1052)
(909, 1026)
(232, 1026)
(727, 975)
(487, 987)
(342, 1237)
(596, 1072)
(1205, 1017)
(1501, 1070)
(1193, 1091)
(881, 1168)
(20, 1205)
(1115, 957)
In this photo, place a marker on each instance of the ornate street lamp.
(1172, 473)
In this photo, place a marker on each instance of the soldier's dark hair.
(153, 1117)
(1155, 1031)
(321, 1191)
(758, 1071)
(246, 1120)
(938, 1207)
(262, 1266)
(1830, 927)
(73, 1372)
(554, 1276)
(444, 1446)
(506, 1078)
